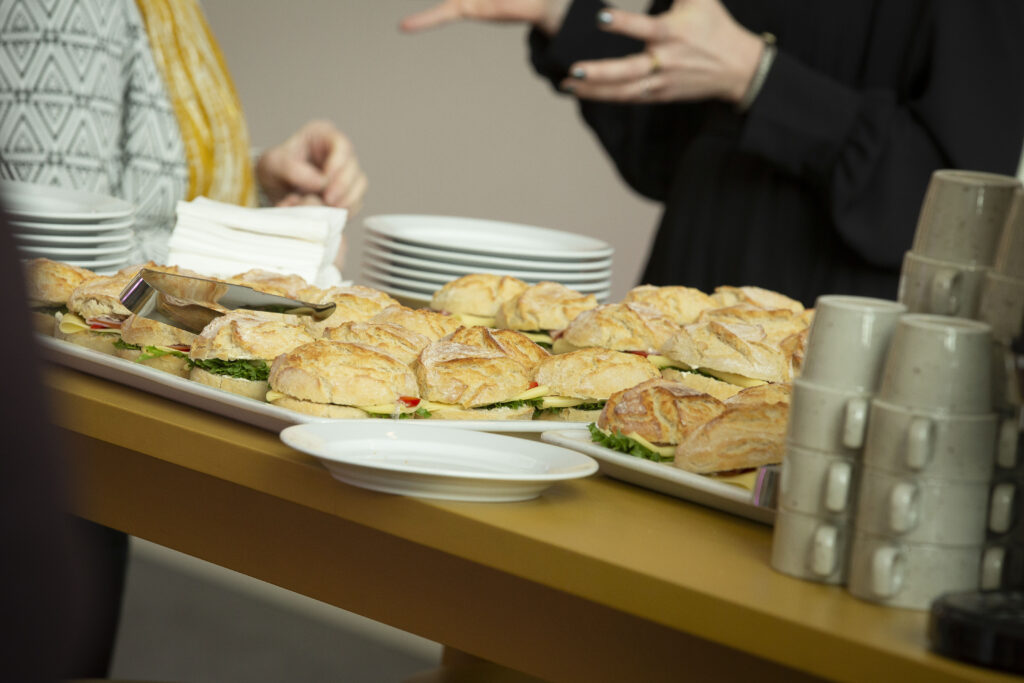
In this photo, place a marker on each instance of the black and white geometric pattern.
(83, 105)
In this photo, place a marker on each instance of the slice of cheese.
(470, 320)
(733, 378)
(745, 480)
(663, 451)
(69, 323)
(562, 402)
(538, 337)
(660, 362)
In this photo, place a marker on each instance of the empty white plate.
(56, 204)
(60, 253)
(417, 284)
(478, 260)
(432, 462)
(110, 238)
(385, 265)
(480, 236)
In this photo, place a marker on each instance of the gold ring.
(655, 62)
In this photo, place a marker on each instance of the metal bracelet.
(764, 65)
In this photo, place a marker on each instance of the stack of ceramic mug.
(829, 411)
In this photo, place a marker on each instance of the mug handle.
(837, 486)
(992, 561)
(824, 548)
(944, 296)
(919, 443)
(1006, 453)
(887, 571)
(903, 507)
(1000, 511)
(855, 422)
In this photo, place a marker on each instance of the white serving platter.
(45, 203)
(664, 478)
(439, 255)
(489, 237)
(241, 408)
(431, 462)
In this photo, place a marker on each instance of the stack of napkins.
(221, 240)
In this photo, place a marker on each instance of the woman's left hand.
(695, 51)
(316, 165)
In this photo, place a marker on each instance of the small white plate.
(51, 204)
(663, 477)
(60, 253)
(110, 238)
(481, 236)
(427, 462)
(72, 229)
(382, 253)
(437, 255)
(383, 263)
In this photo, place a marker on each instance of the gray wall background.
(453, 121)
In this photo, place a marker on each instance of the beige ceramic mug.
(1010, 253)
(827, 419)
(810, 547)
(962, 216)
(929, 285)
(817, 483)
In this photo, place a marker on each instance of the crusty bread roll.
(659, 410)
(593, 373)
(543, 306)
(395, 340)
(621, 327)
(50, 283)
(340, 373)
(146, 332)
(354, 302)
(764, 393)
(429, 323)
(469, 376)
(97, 341)
(755, 296)
(734, 349)
(709, 385)
(794, 347)
(242, 334)
(175, 365)
(101, 296)
(272, 283)
(476, 294)
(777, 323)
(681, 304)
(330, 410)
(256, 389)
(512, 343)
(743, 436)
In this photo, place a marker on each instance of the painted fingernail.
(604, 17)
(578, 73)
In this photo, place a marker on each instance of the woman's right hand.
(546, 15)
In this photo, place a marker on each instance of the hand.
(316, 165)
(545, 14)
(695, 51)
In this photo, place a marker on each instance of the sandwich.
(462, 382)
(342, 380)
(515, 345)
(579, 382)
(543, 309)
(394, 340)
(475, 298)
(352, 303)
(755, 296)
(155, 344)
(49, 285)
(235, 350)
(423, 320)
(777, 323)
(734, 353)
(620, 327)
(681, 304)
(95, 312)
(652, 418)
(748, 433)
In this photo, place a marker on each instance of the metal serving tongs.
(190, 303)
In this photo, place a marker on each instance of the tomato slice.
(533, 385)
(409, 401)
(640, 353)
(185, 348)
(99, 324)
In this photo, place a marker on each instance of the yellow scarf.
(205, 102)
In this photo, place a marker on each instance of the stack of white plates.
(84, 229)
(411, 256)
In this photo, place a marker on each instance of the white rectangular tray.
(220, 402)
(664, 478)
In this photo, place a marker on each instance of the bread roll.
(172, 364)
(100, 296)
(512, 343)
(476, 294)
(794, 347)
(430, 324)
(764, 393)
(146, 332)
(256, 389)
(777, 323)
(325, 371)
(290, 286)
(755, 296)
(593, 373)
(242, 334)
(469, 376)
(395, 340)
(732, 349)
(354, 302)
(621, 327)
(543, 306)
(681, 304)
(50, 283)
(743, 436)
(659, 410)
(500, 413)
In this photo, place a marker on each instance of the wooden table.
(596, 580)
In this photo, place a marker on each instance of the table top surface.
(644, 554)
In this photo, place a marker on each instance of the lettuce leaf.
(154, 352)
(596, 405)
(535, 402)
(619, 442)
(419, 413)
(252, 370)
(122, 344)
